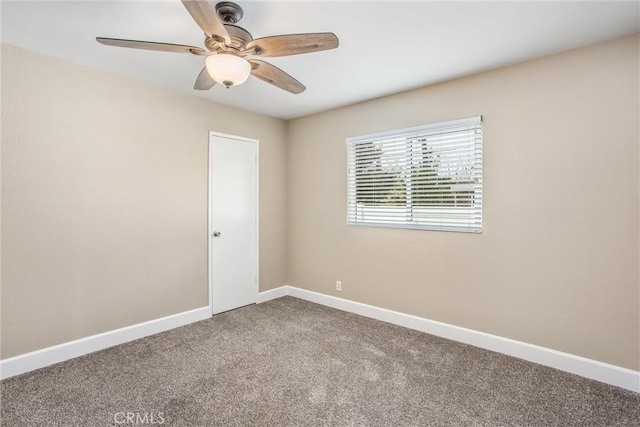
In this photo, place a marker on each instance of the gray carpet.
(289, 362)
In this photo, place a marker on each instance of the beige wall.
(557, 262)
(104, 204)
(104, 200)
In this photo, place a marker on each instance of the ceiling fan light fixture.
(228, 69)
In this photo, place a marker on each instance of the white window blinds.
(427, 177)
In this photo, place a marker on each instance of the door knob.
(216, 234)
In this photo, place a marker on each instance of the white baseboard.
(59, 353)
(272, 294)
(593, 369)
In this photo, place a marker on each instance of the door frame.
(213, 134)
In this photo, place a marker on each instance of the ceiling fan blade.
(275, 76)
(163, 47)
(204, 80)
(207, 19)
(292, 44)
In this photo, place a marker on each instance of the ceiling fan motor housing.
(239, 38)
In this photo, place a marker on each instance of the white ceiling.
(385, 47)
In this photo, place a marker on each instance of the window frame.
(471, 221)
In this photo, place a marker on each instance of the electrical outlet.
(338, 286)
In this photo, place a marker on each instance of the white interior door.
(233, 222)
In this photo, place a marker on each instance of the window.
(427, 177)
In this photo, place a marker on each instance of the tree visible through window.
(428, 177)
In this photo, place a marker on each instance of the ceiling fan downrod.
(229, 12)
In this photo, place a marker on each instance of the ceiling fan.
(228, 46)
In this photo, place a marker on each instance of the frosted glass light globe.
(228, 69)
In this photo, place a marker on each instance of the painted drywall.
(557, 262)
(104, 200)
